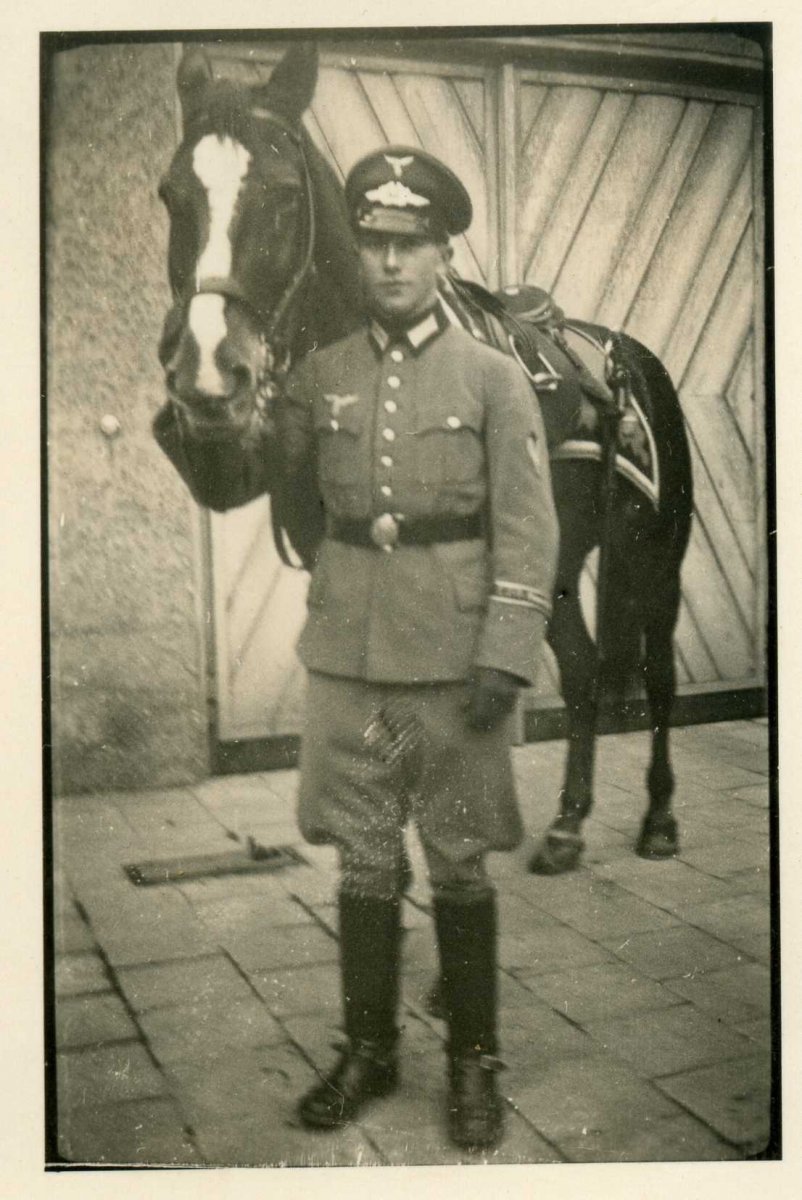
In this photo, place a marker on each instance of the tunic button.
(396, 356)
(390, 406)
(385, 490)
(388, 435)
(393, 381)
(335, 425)
(453, 422)
(386, 461)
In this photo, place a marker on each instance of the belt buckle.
(384, 531)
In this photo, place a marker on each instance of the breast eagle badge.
(339, 402)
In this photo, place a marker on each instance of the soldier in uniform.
(427, 610)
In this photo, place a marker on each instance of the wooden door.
(639, 210)
(639, 207)
(259, 602)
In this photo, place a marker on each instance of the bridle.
(277, 332)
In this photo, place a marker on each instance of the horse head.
(239, 195)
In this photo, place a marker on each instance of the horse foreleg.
(562, 845)
(658, 836)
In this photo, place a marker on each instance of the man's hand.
(491, 698)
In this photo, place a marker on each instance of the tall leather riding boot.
(369, 954)
(466, 936)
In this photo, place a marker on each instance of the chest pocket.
(448, 442)
(339, 425)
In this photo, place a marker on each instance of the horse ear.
(290, 89)
(194, 77)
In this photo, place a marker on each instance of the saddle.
(565, 361)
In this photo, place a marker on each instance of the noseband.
(276, 333)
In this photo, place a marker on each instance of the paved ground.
(635, 995)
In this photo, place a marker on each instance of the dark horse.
(263, 270)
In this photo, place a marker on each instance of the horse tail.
(651, 379)
(646, 555)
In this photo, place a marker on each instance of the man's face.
(400, 273)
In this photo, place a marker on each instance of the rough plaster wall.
(126, 648)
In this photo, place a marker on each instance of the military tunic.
(429, 425)
(432, 424)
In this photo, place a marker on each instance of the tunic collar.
(415, 338)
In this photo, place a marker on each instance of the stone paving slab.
(311, 886)
(298, 991)
(666, 1139)
(71, 933)
(131, 945)
(599, 992)
(91, 1020)
(668, 1041)
(106, 1074)
(137, 1132)
(665, 882)
(568, 1098)
(159, 842)
(243, 1113)
(739, 854)
(755, 880)
(212, 978)
(531, 1037)
(756, 794)
(202, 1033)
(241, 914)
(731, 1097)
(79, 973)
(743, 921)
(758, 1032)
(245, 807)
(740, 994)
(631, 993)
(599, 908)
(164, 812)
(260, 888)
(281, 946)
(558, 946)
(670, 953)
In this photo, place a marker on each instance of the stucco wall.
(127, 656)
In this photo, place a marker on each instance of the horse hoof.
(559, 851)
(658, 838)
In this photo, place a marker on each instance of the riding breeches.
(375, 756)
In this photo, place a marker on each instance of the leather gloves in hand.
(491, 698)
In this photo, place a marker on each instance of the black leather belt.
(386, 531)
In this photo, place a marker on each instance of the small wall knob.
(110, 426)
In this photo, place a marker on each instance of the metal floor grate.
(251, 860)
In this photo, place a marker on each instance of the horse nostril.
(243, 378)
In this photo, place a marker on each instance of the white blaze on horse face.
(221, 165)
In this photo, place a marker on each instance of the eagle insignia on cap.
(396, 195)
(398, 164)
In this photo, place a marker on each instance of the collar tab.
(417, 336)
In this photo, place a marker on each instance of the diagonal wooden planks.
(637, 208)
